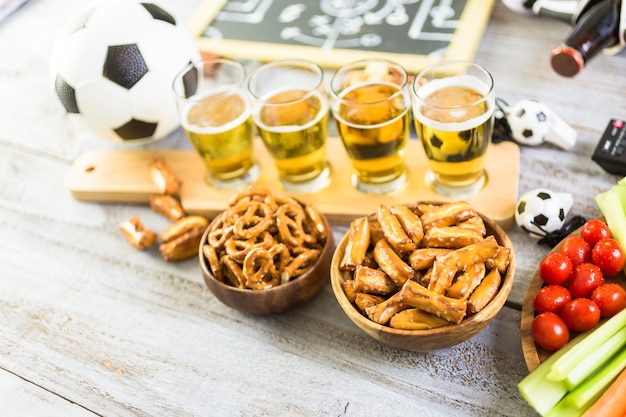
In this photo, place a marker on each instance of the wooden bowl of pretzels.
(266, 252)
(423, 276)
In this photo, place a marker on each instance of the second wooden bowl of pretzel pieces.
(443, 333)
(294, 290)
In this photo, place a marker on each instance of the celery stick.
(565, 409)
(599, 356)
(564, 365)
(586, 393)
(612, 204)
(540, 393)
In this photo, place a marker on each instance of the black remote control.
(610, 153)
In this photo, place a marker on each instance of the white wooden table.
(89, 326)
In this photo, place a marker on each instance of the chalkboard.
(334, 32)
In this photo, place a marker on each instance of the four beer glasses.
(290, 110)
(215, 114)
(370, 101)
(453, 110)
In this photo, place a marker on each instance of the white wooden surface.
(89, 326)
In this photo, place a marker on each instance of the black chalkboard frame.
(465, 41)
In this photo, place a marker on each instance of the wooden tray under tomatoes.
(533, 354)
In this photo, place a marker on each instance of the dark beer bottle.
(597, 29)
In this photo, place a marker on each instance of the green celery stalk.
(541, 393)
(588, 365)
(600, 334)
(612, 204)
(588, 392)
(566, 409)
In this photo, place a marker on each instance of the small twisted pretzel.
(315, 222)
(239, 248)
(252, 219)
(299, 265)
(289, 221)
(210, 254)
(233, 272)
(257, 268)
(220, 233)
(280, 257)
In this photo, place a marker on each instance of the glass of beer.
(453, 110)
(370, 101)
(215, 114)
(290, 109)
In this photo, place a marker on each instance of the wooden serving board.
(123, 176)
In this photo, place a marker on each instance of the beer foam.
(290, 128)
(240, 119)
(375, 126)
(466, 81)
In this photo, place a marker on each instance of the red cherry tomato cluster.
(575, 295)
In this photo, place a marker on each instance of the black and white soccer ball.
(528, 120)
(541, 211)
(113, 66)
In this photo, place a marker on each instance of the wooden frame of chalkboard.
(413, 33)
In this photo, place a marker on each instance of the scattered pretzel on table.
(264, 239)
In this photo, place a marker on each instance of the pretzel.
(358, 244)
(249, 219)
(391, 263)
(219, 233)
(421, 259)
(415, 295)
(289, 222)
(416, 319)
(239, 248)
(299, 265)
(315, 222)
(167, 205)
(137, 234)
(381, 313)
(410, 222)
(393, 231)
(165, 179)
(485, 292)
(372, 281)
(450, 237)
(232, 272)
(467, 282)
(364, 300)
(214, 261)
(463, 257)
(257, 268)
(441, 277)
(280, 257)
(447, 214)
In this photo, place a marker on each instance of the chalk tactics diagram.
(424, 27)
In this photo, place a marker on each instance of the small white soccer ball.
(541, 211)
(113, 66)
(528, 120)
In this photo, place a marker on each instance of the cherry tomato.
(551, 298)
(550, 331)
(609, 256)
(576, 249)
(555, 268)
(580, 314)
(611, 298)
(585, 278)
(595, 230)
